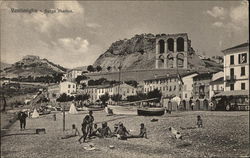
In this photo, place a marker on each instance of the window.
(231, 87)
(73, 86)
(69, 86)
(231, 59)
(243, 86)
(243, 71)
(231, 72)
(68, 91)
(185, 95)
(242, 58)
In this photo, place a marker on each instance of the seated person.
(105, 130)
(74, 132)
(122, 132)
(142, 134)
(143, 131)
(96, 131)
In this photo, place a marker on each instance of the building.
(95, 92)
(172, 50)
(216, 87)
(201, 85)
(72, 74)
(54, 91)
(236, 67)
(187, 90)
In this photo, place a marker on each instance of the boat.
(91, 108)
(123, 110)
(150, 111)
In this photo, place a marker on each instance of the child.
(199, 122)
(96, 131)
(176, 134)
(143, 131)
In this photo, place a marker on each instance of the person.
(192, 106)
(122, 132)
(105, 130)
(142, 134)
(73, 133)
(89, 120)
(199, 122)
(143, 131)
(84, 131)
(22, 118)
(96, 131)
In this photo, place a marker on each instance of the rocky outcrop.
(32, 66)
(137, 53)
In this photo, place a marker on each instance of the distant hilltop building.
(31, 57)
(172, 50)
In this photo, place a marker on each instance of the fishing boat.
(150, 111)
(123, 110)
(91, 108)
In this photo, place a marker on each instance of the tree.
(79, 78)
(82, 97)
(154, 94)
(64, 98)
(90, 68)
(132, 83)
(116, 97)
(104, 98)
(98, 68)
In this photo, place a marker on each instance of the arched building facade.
(172, 50)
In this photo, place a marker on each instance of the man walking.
(89, 120)
(22, 118)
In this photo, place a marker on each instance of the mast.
(119, 68)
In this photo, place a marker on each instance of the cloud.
(73, 45)
(217, 12)
(233, 19)
(44, 22)
(218, 24)
(93, 25)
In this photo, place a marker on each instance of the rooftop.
(218, 81)
(243, 45)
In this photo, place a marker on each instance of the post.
(63, 117)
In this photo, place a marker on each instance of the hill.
(32, 66)
(3, 65)
(139, 53)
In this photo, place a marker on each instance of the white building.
(72, 74)
(217, 84)
(187, 90)
(236, 67)
(67, 87)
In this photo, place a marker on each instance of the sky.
(77, 37)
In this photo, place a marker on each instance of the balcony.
(230, 78)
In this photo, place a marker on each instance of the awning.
(233, 93)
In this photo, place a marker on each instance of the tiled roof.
(236, 47)
(219, 80)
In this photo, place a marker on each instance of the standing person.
(22, 118)
(84, 131)
(90, 120)
(199, 122)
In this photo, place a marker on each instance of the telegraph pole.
(119, 68)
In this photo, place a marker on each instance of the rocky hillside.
(137, 53)
(4, 65)
(32, 66)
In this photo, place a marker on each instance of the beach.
(225, 134)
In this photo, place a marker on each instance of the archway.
(205, 104)
(198, 104)
(170, 61)
(184, 105)
(180, 60)
(170, 42)
(161, 61)
(180, 44)
(162, 46)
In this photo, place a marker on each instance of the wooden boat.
(123, 110)
(150, 111)
(91, 108)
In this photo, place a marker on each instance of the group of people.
(89, 129)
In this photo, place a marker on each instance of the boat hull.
(123, 110)
(151, 111)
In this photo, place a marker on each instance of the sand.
(224, 134)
